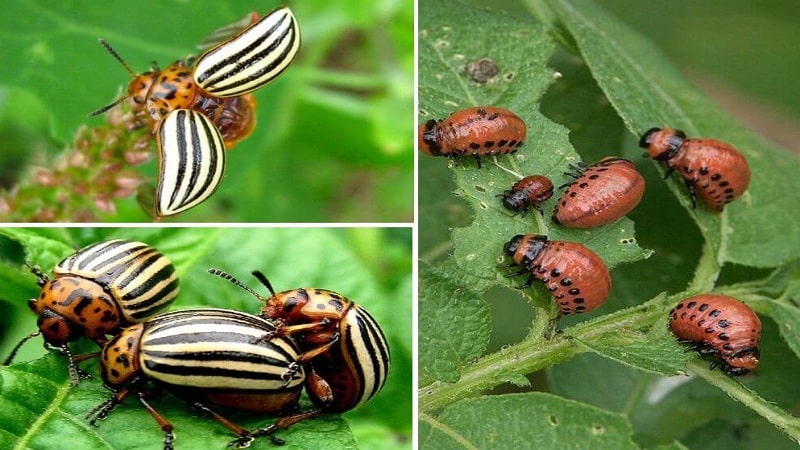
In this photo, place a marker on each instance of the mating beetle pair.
(207, 355)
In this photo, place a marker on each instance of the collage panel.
(207, 111)
(260, 326)
(608, 225)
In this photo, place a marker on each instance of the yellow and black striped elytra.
(252, 58)
(207, 355)
(192, 161)
(344, 349)
(357, 365)
(99, 289)
(200, 107)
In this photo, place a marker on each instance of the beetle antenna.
(107, 107)
(116, 56)
(263, 279)
(16, 348)
(229, 277)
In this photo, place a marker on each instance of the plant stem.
(535, 353)
(707, 271)
(775, 415)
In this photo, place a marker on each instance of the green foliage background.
(332, 137)
(587, 85)
(371, 266)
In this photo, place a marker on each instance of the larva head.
(662, 144)
(426, 138)
(741, 362)
(523, 249)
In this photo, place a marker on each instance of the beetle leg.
(41, 278)
(286, 330)
(246, 437)
(527, 284)
(668, 172)
(478, 160)
(75, 373)
(516, 274)
(281, 424)
(163, 422)
(320, 388)
(692, 193)
(101, 411)
(288, 376)
(328, 341)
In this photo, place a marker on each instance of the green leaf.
(510, 420)
(443, 300)
(36, 409)
(648, 91)
(521, 50)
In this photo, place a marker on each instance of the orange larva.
(577, 278)
(479, 131)
(601, 194)
(721, 326)
(711, 169)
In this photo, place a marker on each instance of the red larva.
(601, 194)
(478, 131)
(712, 169)
(528, 192)
(577, 278)
(721, 326)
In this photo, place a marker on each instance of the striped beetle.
(216, 86)
(98, 289)
(344, 349)
(206, 355)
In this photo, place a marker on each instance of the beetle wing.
(192, 161)
(252, 58)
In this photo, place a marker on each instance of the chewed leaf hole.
(480, 188)
(553, 420)
(598, 429)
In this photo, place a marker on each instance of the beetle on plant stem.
(198, 108)
(344, 348)
(720, 326)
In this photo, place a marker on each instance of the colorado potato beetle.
(199, 108)
(601, 193)
(576, 277)
(344, 349)
(479, 131)
(528, 192)
(206, 355)
(99, 289)
(720, 326)
(712, 169)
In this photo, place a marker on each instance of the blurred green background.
(371, 266)
(333, 135)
